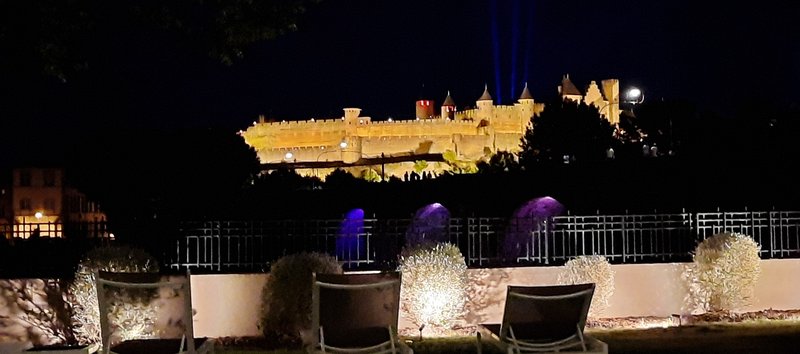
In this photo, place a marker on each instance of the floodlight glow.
(634, 95)
(38, 215)
(343, 144)
(288, 155)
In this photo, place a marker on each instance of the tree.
(567, 128)
(502, 161)
(145, 179)
(665, 123)
(64, 36)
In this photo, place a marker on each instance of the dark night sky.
(382, 55)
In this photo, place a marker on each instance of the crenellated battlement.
(473, 132)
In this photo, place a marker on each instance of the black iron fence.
(230, 246)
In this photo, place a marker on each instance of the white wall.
(229, 305)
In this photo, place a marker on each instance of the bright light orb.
(634, 93)
(343, 144)
(38, 215)
(288, 155)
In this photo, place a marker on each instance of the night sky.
(382, 55)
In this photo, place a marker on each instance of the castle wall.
(416, 128)
(295, 134)
(424, 144)
(473, 146)
(318, 140)
(508, 142)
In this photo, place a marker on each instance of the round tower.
(424, 109)
(485, 105)
(525, 107)
(448, 107)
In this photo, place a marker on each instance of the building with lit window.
(39, 203)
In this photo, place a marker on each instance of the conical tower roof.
(526, 94)
(568, 88)
(448, 101)
(485, 96)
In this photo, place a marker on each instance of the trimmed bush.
(286, 297)
(591, 269)
(131, 314)
(724, 273)
(434, 285)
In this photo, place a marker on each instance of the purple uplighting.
(351, 243)
(528, 218)
(430, 224)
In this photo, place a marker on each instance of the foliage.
(66, 36)
(286, 297)
(370, 175)
(567, 128)
(39, 307)
(458, 165)
(502, 161)
(591, 269)
(434, 286)
(420, 165)
(131, 314)
(339, 178)
(178, 173)
(724, 273)
(665, 123)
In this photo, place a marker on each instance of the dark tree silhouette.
(502, 161)
(567, 128)
(665, 124)
(65, 36)
(145, 178)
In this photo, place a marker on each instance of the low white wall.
(229, 305)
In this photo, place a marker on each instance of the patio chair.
(544, 319)
(356, 313)
(187, 344)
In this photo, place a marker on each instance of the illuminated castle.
(447, 140)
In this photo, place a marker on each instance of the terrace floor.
(773, 336)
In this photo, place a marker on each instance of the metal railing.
(219, 246)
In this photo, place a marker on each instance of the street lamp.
(342, 145)
(634, 96)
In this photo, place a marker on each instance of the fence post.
(771, 229)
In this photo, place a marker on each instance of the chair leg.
(583, 342)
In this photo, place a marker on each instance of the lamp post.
(634, 96)
(342, 146)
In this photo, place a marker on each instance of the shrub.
(434, 285)
(130, 312)
(724, 273)
(286, 297)
(591, 269)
